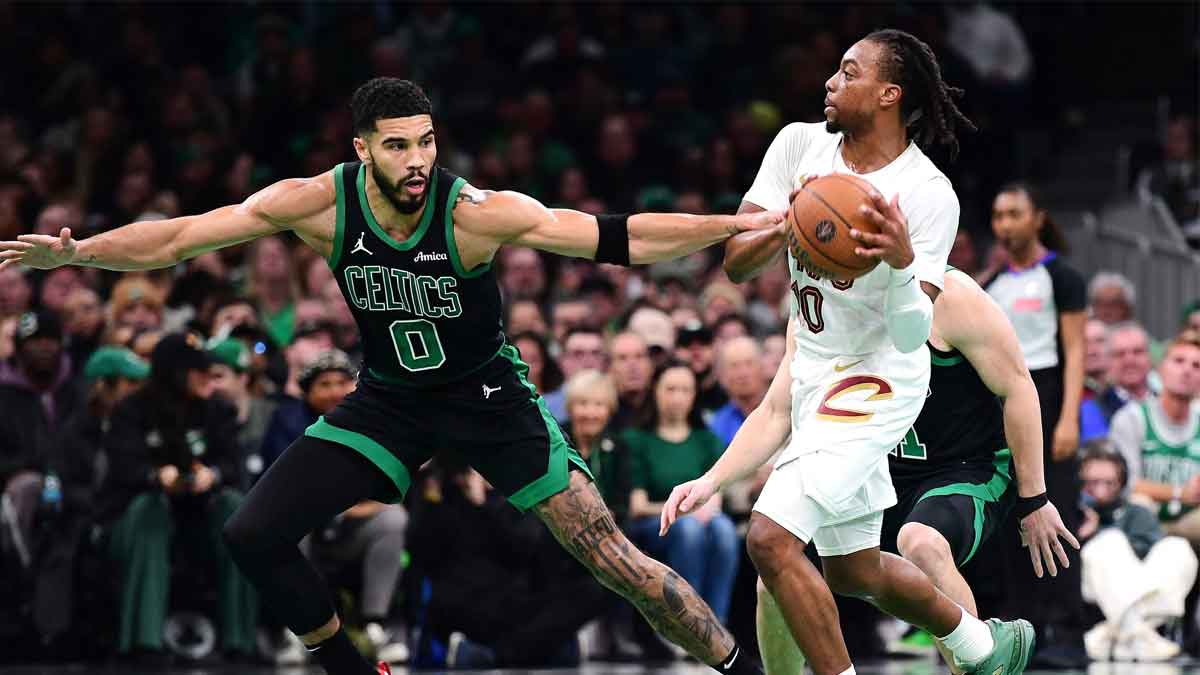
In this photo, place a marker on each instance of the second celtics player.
(955, 469)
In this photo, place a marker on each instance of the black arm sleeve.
(613, 245)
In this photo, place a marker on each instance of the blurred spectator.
(324, 380)
(671, 446)
(582, 349)
(729, 327)
(963, 255)
(345, 329)
(1177, 178)
(591, 400)
(143, 342)
(83, 323)
(137, 303)
(656, 328)
(570, 314)
(522, 274)
(543, 371)
(15, 291)
(603, 300)
(57, 285)
(1156, 435)
(524, 316)
(233, 381)
(774, 349)
(631, 370)
(1128, 377)
(1190, 317)
(720, 299)
(1138, 576)
(739, 369)
(694, 347)
(231, 313)
(308, 341)
(1096, 359)
(767, 311)
(991, 42)
(172, 461)
(37, 394)
(1111, 298)
(273, 286)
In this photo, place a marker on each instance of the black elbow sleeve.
(613, 244)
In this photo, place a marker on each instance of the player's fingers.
(877, 253)
(871, 238)
(15, 246)
(37, 239)
(64, 236)
(6, 263)
(12, 255)
(1048, 557)
(1060, 552)
(874, 215)
(1036, 557)
(1066, 534)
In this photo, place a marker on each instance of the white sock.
(848, 671)
(971, 641)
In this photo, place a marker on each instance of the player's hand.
(1040, 531)
(891, 244)
(1066, 440)
(1090, 524)
(685, 499)
(759, 220)
(40, 251)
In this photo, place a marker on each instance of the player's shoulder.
(296, 200)
(925, 178)
(960, 292)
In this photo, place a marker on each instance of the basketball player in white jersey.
(857, 369)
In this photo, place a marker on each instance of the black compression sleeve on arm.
(613, 246)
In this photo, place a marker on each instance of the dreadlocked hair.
(928, 106)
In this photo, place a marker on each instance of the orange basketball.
(819, 222)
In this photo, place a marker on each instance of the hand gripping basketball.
(891, 244)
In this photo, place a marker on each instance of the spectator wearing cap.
(172, 451)
(1130, 372)
(657, 329)
(136, 303)
(309, 340)
(78, 464)
(233, 381)
(36, 395)
(694, 346)
(370, 533)
(582, 349)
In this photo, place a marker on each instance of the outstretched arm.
(514, 218)
(161, 243)
(971, 322)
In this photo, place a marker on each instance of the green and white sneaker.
(1014, 646)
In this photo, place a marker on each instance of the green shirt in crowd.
(658, 465)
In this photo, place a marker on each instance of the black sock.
(339, 656)
(739, 663)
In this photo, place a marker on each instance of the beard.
(394, 191)
(833, 127)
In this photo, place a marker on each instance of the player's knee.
(924, 546)
(770, 546)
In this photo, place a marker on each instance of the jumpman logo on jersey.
(488, 391)
(359, 246)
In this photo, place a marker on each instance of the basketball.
(819, 222)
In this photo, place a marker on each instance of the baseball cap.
(230, 352)
(180, 351)
(332, 360)
(112, 361)
(39, 323)
(692, 332)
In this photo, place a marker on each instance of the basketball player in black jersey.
(954, 470)
(411, 246)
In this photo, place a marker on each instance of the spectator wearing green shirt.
(671, 446)
(591, 400)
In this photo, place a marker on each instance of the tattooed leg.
(583, 524)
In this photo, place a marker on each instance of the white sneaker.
(1099, 642)
(387, 647)
(292, 653)
(1143, 643)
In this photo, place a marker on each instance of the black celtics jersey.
(961, 425)
(424, 320)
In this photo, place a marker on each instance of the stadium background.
(116, 112)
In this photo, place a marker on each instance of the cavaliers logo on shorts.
(829, 413)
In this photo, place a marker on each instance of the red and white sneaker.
(383, 668)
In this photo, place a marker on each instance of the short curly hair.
(386, 97)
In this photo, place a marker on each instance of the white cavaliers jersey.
(834, 319)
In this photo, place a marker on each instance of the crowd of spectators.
(137, 409)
